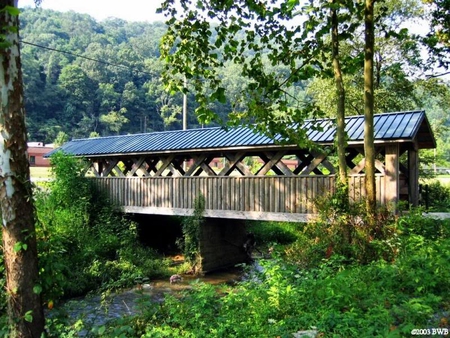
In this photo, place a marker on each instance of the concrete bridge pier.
(222, 243)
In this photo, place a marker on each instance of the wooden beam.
(198, 160)
(413, 176)
(137, 166)
(392, 191)
(152, 163)
(305, 161)
(234, 162)
(110, 166)
(380, 166)
(95, 168)
(271, 161)
(325, 162)
(357, 168)
(165, 164)
(313, 165)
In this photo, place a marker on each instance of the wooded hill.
(84, 77)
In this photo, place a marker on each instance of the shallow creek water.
(98, 310)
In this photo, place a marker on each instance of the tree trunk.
(369, 146)
(340, 114)
(19, 239)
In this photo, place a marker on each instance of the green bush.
(345, 230)
(436, 196)
(190, 242)
(84, 243)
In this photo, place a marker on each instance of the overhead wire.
(84, 57)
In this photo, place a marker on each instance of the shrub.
(84, 242)
(436, 196)
(190, 242)
(343, 229)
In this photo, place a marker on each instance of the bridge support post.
(222, 243)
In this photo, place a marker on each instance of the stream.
(97, 310)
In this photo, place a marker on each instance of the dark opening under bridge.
(244, 175)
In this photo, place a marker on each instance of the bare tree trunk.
(340, 114)
(369, 146)
(19, 239)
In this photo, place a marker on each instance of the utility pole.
(185, 114)
(185, 105)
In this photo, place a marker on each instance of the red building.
(36, 152)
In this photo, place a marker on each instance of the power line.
(83, 57)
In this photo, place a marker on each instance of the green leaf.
(14, 11)
(29, 316)
(20, 246)
(37, 289)
(220, 95)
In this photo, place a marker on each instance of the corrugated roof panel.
(403, 125)
(413, 125)
(329, 130)
(384, 126)
(358, 134)
(394, 127)
(352, 127)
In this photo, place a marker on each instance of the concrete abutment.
(221, 240)
(222, 243)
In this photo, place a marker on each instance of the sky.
(131, 10)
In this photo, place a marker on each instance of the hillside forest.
(87, 78)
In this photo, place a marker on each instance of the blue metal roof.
(403, 126)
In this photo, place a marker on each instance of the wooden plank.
(258, 195)
(282, 194)
(211, 189)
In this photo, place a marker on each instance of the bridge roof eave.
(191, 152)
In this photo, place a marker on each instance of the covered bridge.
(245, 175)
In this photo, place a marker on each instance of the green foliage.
(341, 230)
(269, 233)
(84, 243)
(190, 243)
(386, 299)
(335, 298)
(436, 196)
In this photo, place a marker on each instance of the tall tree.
(369, 145)
(340, 90)
(19, 239)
